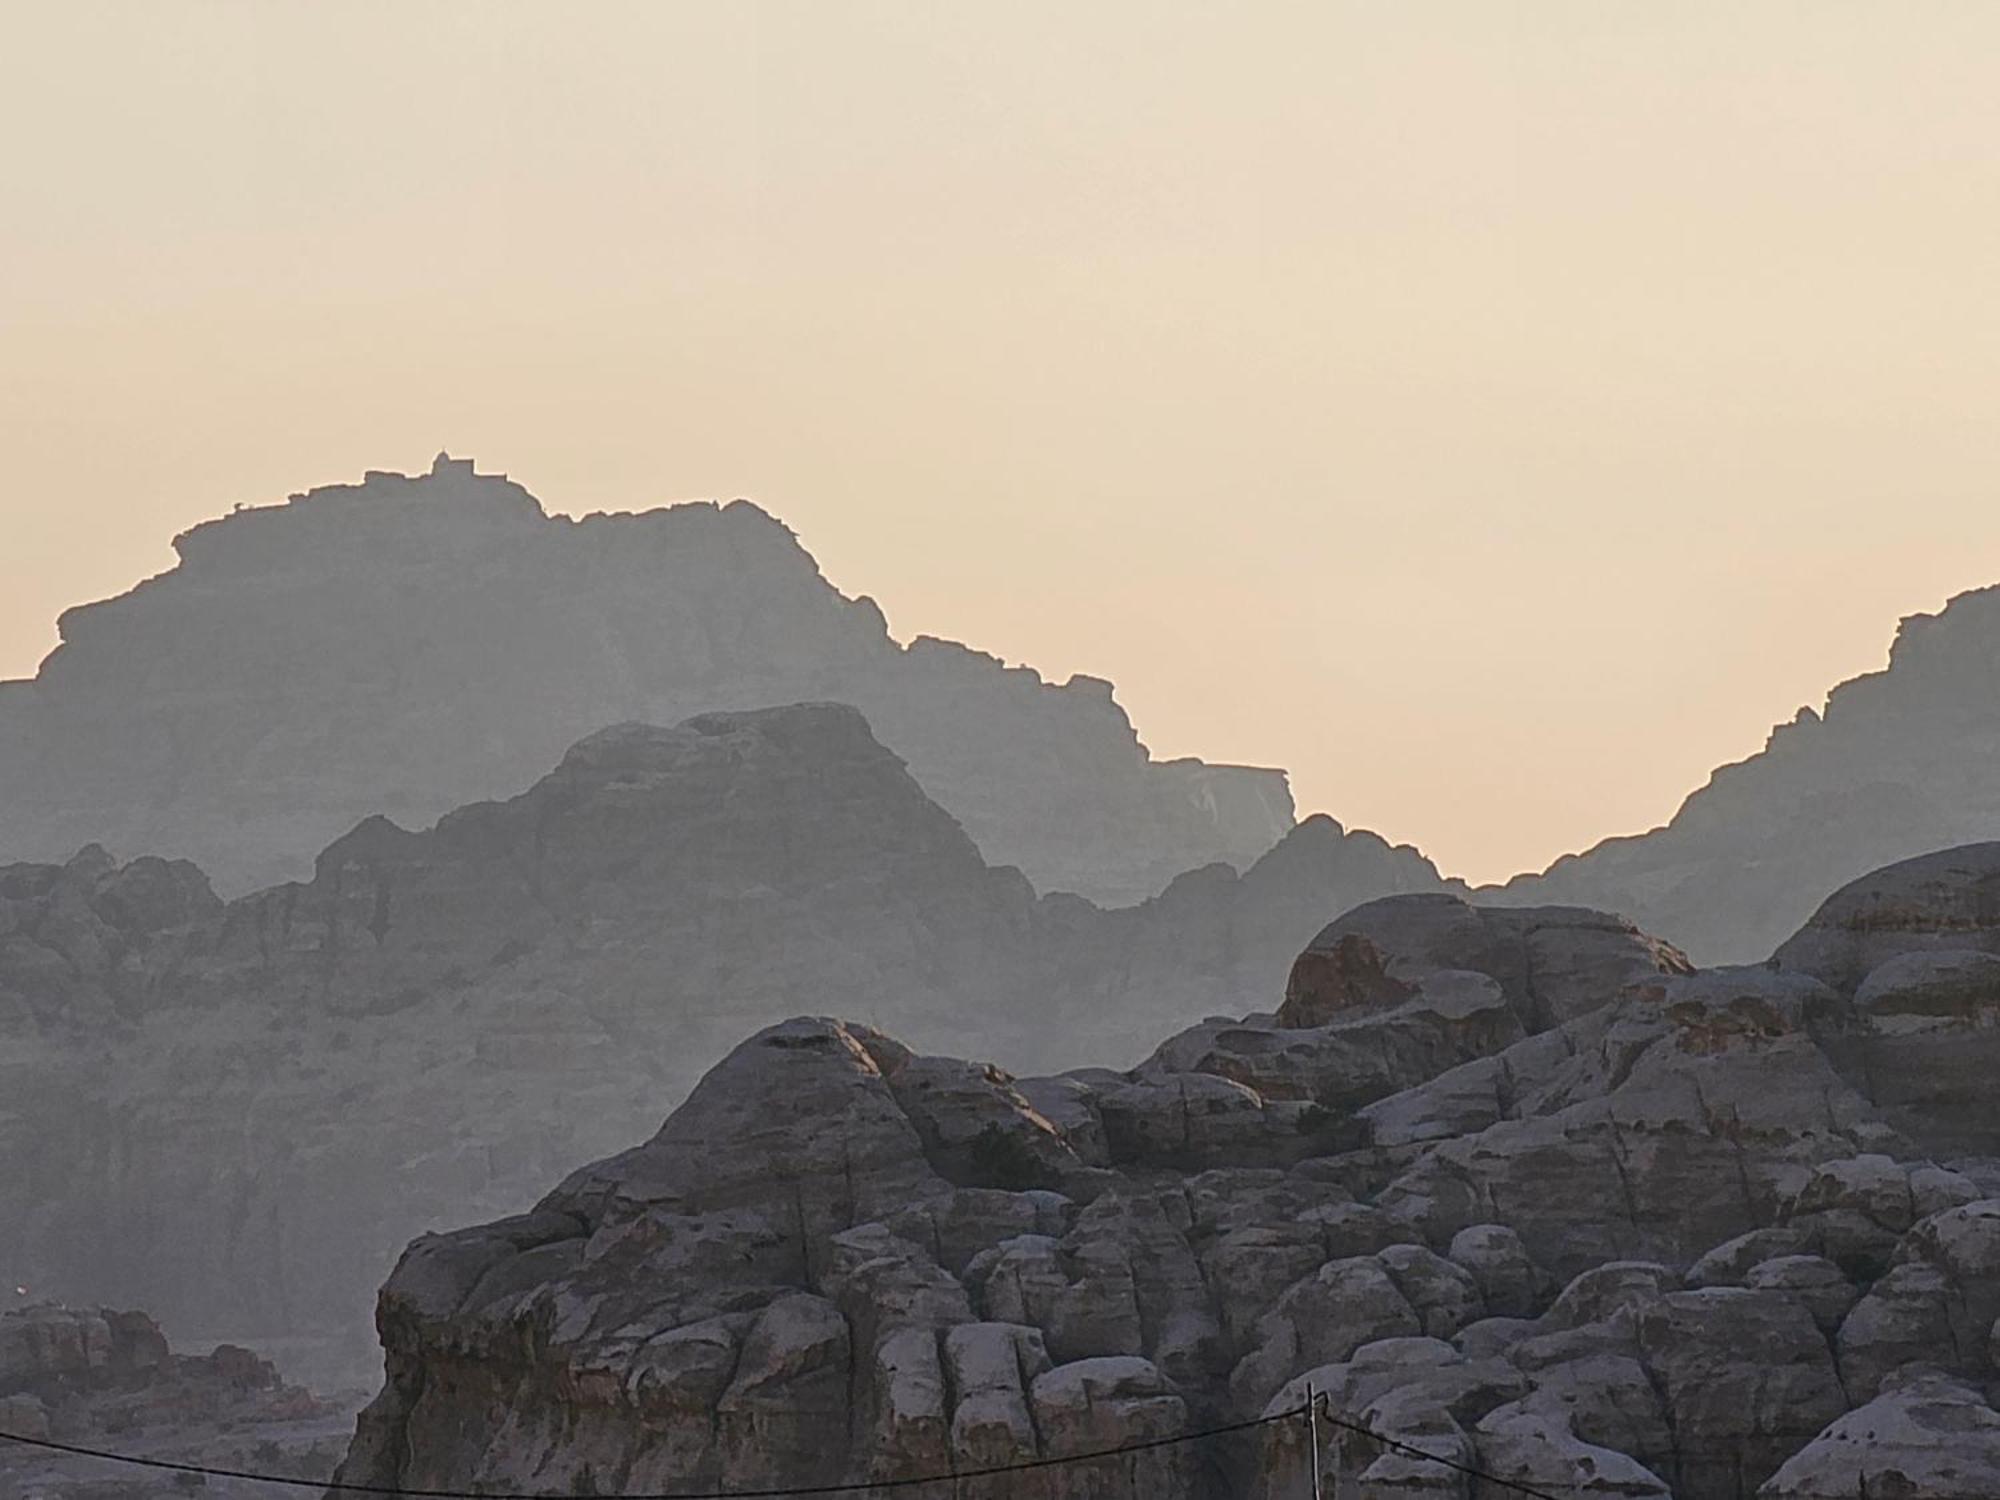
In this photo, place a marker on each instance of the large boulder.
(1916, 947)
(1926, 1434)
(1551, 964)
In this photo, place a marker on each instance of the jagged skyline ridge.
(1421, 398)
(1894, 766)
(405, 644)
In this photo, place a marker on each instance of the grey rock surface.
(1657, 1246)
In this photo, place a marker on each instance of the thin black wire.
(857, 1487)
(1434, 1458)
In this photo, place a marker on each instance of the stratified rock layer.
(405, 646)
(235, 1114)
(1597, 1224)
(1900, 762)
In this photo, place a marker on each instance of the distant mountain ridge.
(1902, 762)
(234, 1112)
(407, 645)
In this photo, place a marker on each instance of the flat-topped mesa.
(451, 506)
(1657, 1248)
(409, 644)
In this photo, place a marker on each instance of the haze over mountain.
(403, 646)
(1902, 761)
(234, 1114)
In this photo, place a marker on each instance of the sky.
(1497, 414)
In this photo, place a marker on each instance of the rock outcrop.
(234, 1114)
(1915, 950)
(1898, 763)
(99, 1378)
(406, 646)
(1597, 1223)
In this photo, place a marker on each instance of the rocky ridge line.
(1899, 763)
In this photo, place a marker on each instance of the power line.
(208, 1471)
(1317, 1407)
(1432, 1458)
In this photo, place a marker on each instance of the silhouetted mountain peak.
(409, 644)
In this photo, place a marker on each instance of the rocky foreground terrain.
(1899, 763)
(235, 1113)
(1523, 1189)
(99, 1378)
(408, 645)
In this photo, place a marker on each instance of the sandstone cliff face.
(1523, 1190)
(235, 1114)
(1900, 763)
(405, 646)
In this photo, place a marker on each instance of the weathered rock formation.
(99, 1378)
(236, 1113)
(405, 646)
(1899, 763)
(1521, 1190)
(1915, 949)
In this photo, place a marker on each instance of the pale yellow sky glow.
(1498, 414)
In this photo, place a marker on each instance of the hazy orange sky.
(1498, 414)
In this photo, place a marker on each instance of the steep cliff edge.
(1520, 1189)
(405, 646)
(1901, 762)
(235, 1113)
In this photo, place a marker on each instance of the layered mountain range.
(1524, 1196)
(1515, 1182)
(233, 1113)
(404, 646)
(407, 645)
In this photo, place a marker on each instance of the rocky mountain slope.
(406, 646)
(1901, 762)
(1519, 1189)
(106, 1379)
(236, 1113)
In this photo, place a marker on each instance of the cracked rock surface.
(1666, 1243)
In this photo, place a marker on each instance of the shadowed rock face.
(1659, 1245)
(1901, 762)
(406, 646)
(235, 1113)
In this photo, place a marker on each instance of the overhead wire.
(853, 1487)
